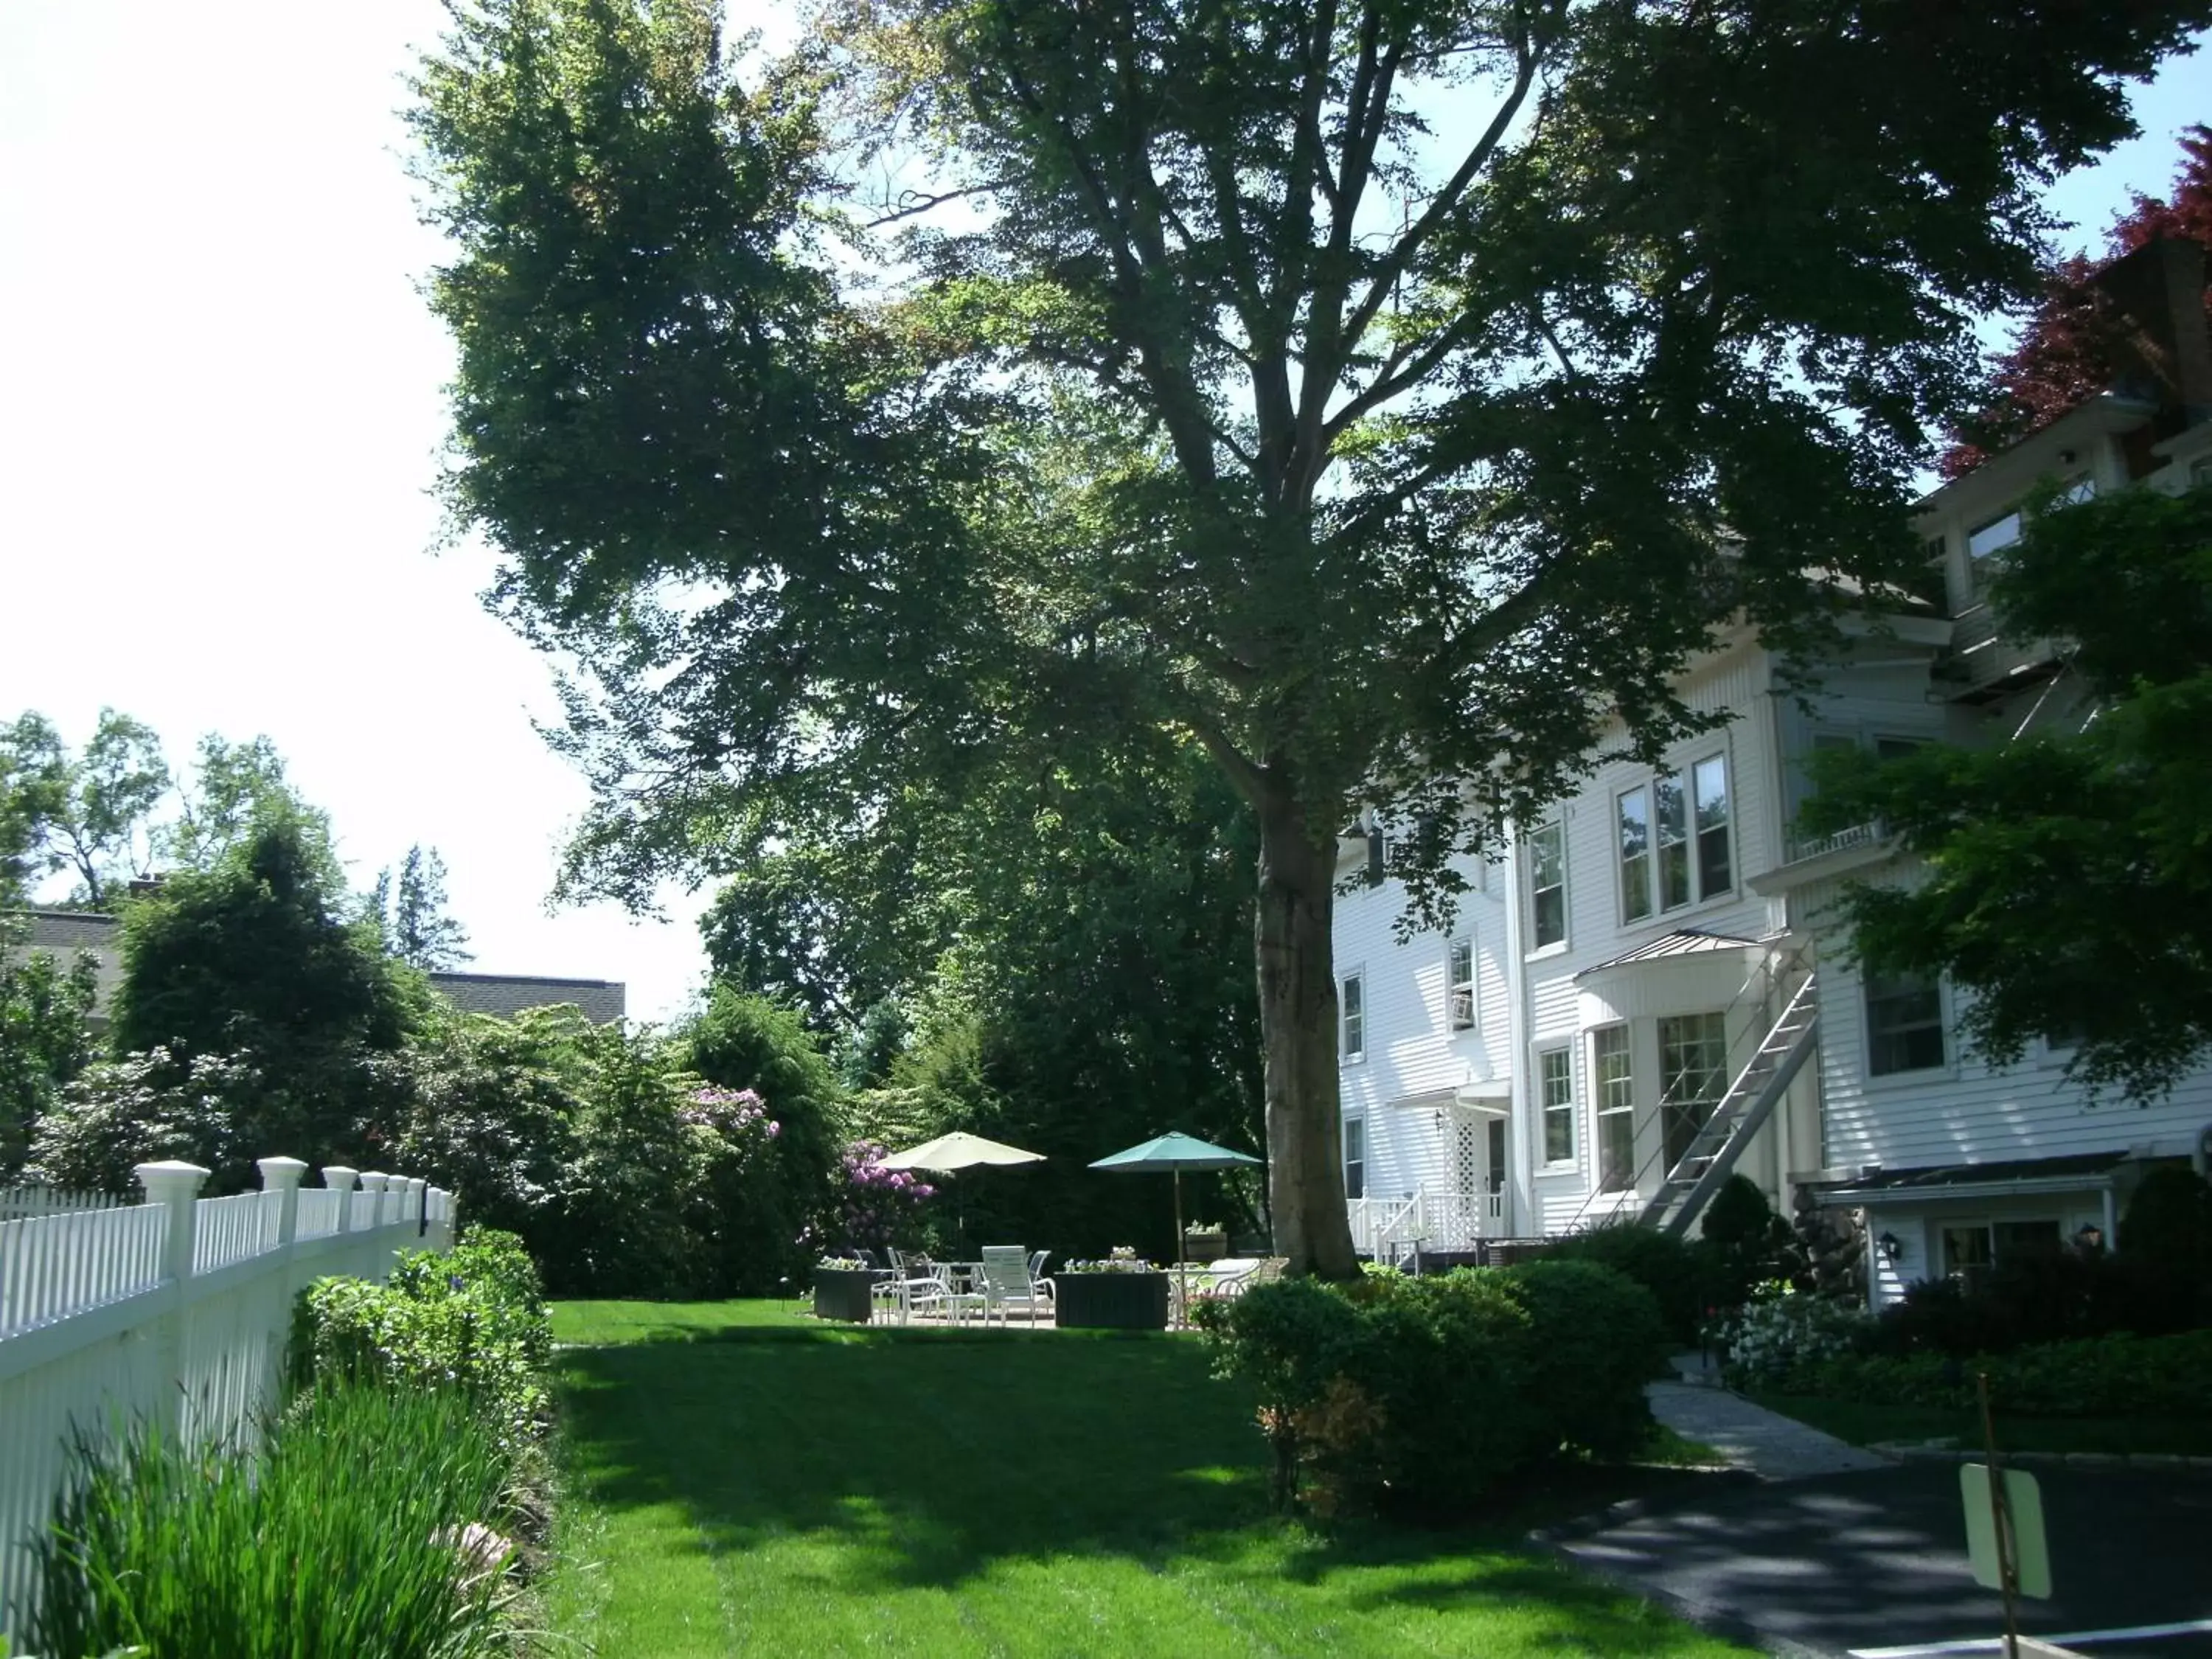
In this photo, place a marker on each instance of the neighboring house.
(1662, 995)
(64, 932)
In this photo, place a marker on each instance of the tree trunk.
(1298, 1030)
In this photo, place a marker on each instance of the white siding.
(1414, 1061)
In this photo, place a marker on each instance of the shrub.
(1678, 1274)
(1780, 1329)
(2096, 1376)
(472, 1320)
(1746, 1244)
(341, 1539)
(1598, 1340)
(2053, 1297)
(1420, 1394)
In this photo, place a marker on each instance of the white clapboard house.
(1647, 993)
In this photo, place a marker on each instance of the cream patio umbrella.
(958, 1151)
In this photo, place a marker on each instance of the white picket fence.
(19, 1203)
(176, 1309)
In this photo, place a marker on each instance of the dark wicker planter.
(842, 1293)
(1110, 1302)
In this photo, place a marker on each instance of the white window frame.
(1538, 944)
(1604, 1107)
(1461, 1010)
(1551, 1108)
(1683, 779)
(1882, 1077)
(1351, 1022)
(1630, 914)
(1355, 1140)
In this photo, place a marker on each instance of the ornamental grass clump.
(369, 1525)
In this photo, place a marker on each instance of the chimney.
(2158, 292)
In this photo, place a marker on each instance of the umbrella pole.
(1182, 1272)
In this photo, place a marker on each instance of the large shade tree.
(1389, 394)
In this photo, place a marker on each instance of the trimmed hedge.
(1418, 1395)
(2096, 1376)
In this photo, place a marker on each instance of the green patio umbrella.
(1175, 1152)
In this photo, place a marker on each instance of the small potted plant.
(1123, 1292)
(842, 1288)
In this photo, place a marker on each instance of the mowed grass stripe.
(750, 1483)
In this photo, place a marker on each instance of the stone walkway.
(1771, 1446)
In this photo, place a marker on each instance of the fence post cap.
(373, 1180)
(416, 1183)
(169, 1176)
(278, 1173)
(340, 1176)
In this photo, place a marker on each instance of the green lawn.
(740, 1480)
(1864, 1425)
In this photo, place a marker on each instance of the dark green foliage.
(1421, 1394)
(489, 1115)
(473, 1321)
(2168, 1221)
(2040, 1298)
(256, 954)
(2068, 881)
(45, 1041)
(1596, 1339)
(90, 814)
(2118, 1376)
(339, 1539)
(222, 1111)
(1746, 1244)
(1677, 1273)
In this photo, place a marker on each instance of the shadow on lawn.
(926, 1457)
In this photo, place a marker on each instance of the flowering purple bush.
(876, 1205)
(739, 1115)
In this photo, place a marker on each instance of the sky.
(221, 411)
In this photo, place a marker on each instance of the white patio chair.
(1009, 1283)
(911, 1288)
(1037, 1259)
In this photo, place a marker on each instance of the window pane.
(1965, 1252)
(1355, 1158)
(1891, 748)
(2018, 1238)
(1556, 1076)
(1355, 1019)
(1548, 884)
(1905, 1025)
(1994, 536)
(1634, 855)
(1711, 782)
(1494, 1175)
(1616, 1115)
(1459, 993)
(1692, 1076)
(1674, 844)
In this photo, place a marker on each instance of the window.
(1459, 984)
(1971, 1249)
(1693, 1077)
(1616, 1109)
(1555, 1087)
(1994, 536)
(1890, 749)
(2082, 487)
(1547, 883)
(1905, 1024)
(1635, 810)
(1352, 1005)
(1675, 846)
(1493, 1178)
(1355, 1158)
(1710, 791)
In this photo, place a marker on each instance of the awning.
(1671, 947)
(2087, 1172)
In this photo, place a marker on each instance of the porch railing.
(1436, 1218)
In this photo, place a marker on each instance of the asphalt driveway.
(1877, 1559)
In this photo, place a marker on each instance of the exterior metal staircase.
(1738, 1115)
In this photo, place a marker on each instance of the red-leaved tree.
(2070, 348)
